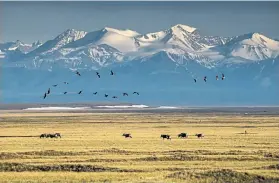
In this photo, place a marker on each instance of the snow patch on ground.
(56, 108)
(122, 106)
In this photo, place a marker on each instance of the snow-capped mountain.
(16, 50)
(61, 40)
(253, 46)
(181, 43)
(18, 45)
(167, 61)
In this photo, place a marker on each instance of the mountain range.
(161, 65)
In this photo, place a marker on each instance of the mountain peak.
(71, 33)
(126, 32)
(183, 27)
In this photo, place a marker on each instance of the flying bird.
(217, 77)
(54, 85)
(65, 93)
(125, 94)
(223, 76)
(45, 95)
(195, 80)
(98, 74)
(205, 78)
(66, 83)
(106, 95)
(78, 73)
(80, 92)
(95, 93)
(114, 97)
(111, 73)
(48, 91)
(136, 93)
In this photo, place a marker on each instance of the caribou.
(183, 135)
(200, 135)
(127, 135)
(165, 137)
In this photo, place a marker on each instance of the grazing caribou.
(127, 135)
(182, 135)
(165, 137)
(44, 135)
(57, 135)
(200, 135)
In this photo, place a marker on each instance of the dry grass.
(92, 149)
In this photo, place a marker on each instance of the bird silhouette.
(80, 92)
(54, 85)
(48, 91)
(111, 73)
(125, 94)
(78, 73)
(106, 95)
(114, 97)
(136, 93)
(66, 83)
(45, 95)
(95, 93)
(98, 74)
(195, 80)
(217, 77)
(205, 78)
(223, 76)
(65, 93)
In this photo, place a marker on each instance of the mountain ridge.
(184, 41)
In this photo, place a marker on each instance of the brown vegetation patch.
(221, 176)
(20, 167)
(183, 157)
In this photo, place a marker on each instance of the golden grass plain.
(92, 149)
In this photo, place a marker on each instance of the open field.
(92, 149)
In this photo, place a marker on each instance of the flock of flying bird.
(95, 93)
(112, 73)
(217, 78)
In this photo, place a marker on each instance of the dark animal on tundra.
(127, 135)
(182, 135)
(50, 135)
(165, 137)
(57, 135)
(200, 135)
(44, 135)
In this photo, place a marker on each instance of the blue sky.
(31, 21)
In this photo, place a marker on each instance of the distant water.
(167, 107)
